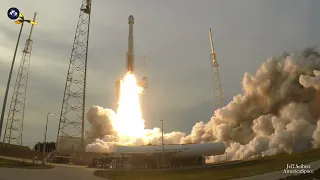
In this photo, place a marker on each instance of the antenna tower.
(71, 124)
(14, 126)
(218, 100)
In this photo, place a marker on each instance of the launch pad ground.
(220, 171)
(57, 173)
(6, 163)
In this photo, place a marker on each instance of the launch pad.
(145, 161)
(70, 141)
(154, 157)
(132, 157)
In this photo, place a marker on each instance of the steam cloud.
(277, 112)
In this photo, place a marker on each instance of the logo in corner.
(13, 13)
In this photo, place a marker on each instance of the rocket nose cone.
(131, 19)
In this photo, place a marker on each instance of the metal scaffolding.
(218, 99)
(71, 123)
(14, 126)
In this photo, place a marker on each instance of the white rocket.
(130, 54)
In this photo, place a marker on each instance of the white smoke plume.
(101, 123)
(277, 112)
(102, 137)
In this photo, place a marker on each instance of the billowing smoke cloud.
(102, 137)
(278, 111)
(101, 121)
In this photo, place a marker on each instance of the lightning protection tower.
(218, 100)
(14, 126)
(71, 124)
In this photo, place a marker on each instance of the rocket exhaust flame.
(129, 120)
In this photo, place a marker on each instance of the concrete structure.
(153, 157)
(180, 150)
(17, 151)
(69, 144)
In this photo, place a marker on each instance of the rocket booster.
(130, 54)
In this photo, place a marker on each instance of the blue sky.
(174, 37)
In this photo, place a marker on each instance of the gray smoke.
(277, 112)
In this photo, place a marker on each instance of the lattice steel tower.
(14, 126)
(71, 123)
(218, 99)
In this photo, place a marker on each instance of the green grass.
(228, 171)
(5, 163)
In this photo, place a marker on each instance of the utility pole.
(45, 138)
(114, 144)
(226, 156)
(242, 153)
(162, 144)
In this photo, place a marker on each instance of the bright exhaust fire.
(129, 120)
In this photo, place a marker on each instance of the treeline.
(50, 146)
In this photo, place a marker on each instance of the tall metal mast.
(14, 126)
(71, 123)
(218, 99)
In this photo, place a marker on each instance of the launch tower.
(14, 126)
(71, 124)
(218, 100)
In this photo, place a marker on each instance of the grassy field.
(23, 165)
(228, 171)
